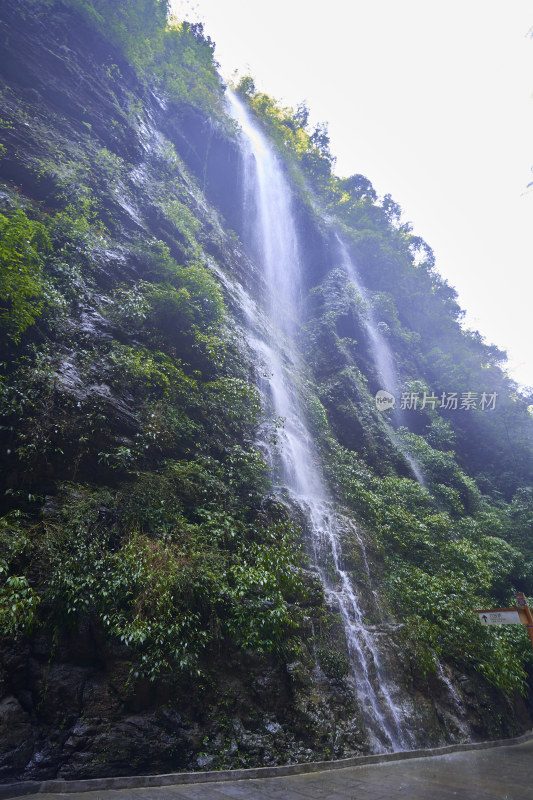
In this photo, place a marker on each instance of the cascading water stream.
(461, 712)
(381, 354)
(270, 233)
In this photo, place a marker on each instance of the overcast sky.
(432, 101)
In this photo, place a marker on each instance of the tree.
(320, 139)
(359, 187)
(392, 210)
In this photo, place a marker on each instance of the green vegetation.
(440, 563)
(161, 565)
(177, 54)
(173, 558)
(23, 287)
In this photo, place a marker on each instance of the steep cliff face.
(158, 608)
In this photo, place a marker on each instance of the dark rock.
(16, 737)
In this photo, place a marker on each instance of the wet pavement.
(502, 773)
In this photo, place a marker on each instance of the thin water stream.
(382, 356)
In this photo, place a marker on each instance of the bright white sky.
(432, 101)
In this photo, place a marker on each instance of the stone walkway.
(499, 773)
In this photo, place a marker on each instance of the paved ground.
(502, 773)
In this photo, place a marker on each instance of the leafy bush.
(335, 665)
(169, 579)
(24, 288)
(18, 599)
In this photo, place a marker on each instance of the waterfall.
(271, 237)
(461, 714)
(381, 354)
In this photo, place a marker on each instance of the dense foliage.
(160, 559)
